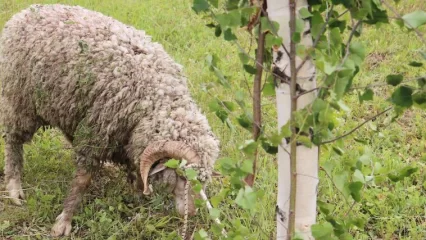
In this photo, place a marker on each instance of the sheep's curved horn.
(161, 149)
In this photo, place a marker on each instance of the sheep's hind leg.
(13, 168)
(79, 185)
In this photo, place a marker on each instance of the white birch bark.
(307, 158)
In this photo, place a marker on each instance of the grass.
(111, 209)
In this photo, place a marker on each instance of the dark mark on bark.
(284, 78)
(280, 213)
(279, 56)
(306, 32)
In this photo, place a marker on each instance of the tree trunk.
(306, 158)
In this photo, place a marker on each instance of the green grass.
(111, 208)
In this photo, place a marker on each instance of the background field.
(111, 209)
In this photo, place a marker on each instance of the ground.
(111, 210)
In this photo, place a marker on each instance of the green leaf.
(249, 147)
(222, 115)
(335, 37)
(272, 40)
(421, 82)
(214, 3)
(247, 166)
(201, 235)
(415, 19)
(402, 96)
(357, 49)
(217, 31)
(269, 148)
(319, 105)
(393, 79)
(296, 37)
(268, 89)
(191, 174)
(196, 186)
(285, 131)
(394, 177)
(246, 198)
(200, 6)
(338, 150)
(214, 105)
(229, 105)
(322, 230)
(366, 96)
(250, 69)
(316, 23)
(267, 26)
(229, 36)
(341, 180)
(243, 57)
(355, 189)
(211, 25)
(408, 171)
(230, 19)
(240, 98)
(405, 172)
(232, 4)
(300, 25)
(304, 13)
(358, 176)
(420, 99)
(214, 213)
(306, 141)
(222, 79)
(245, 122)
(324, 207)
(172, 163)
(415, 64)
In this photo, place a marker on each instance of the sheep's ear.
(160, 167)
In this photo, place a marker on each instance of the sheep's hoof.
(15, 192)
(62, 226)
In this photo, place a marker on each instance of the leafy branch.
(357, 127)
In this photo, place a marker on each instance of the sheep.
(116, 96)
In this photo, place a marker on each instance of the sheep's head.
(166, 150)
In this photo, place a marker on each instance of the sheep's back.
(86, 73)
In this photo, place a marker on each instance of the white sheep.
(115, 95)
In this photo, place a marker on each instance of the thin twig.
(308, 91)
(275, 31)
(419, 34)
(331, 179)
(386, 84)
(357, 127)
(293, 138)
(343, 13)
(209, 207)
(348, 43)
(257, 100)
(244, 75)
(317, 38)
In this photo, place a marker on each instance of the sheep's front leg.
(13, 170)
(79, 185)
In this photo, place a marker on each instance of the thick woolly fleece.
(104, 84)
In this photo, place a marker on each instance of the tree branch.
(317, 38)
(357, 127)
(348, 43)
(275, 31)
(419, 34)
(386, 84)
(257, 108)
(293, 144)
